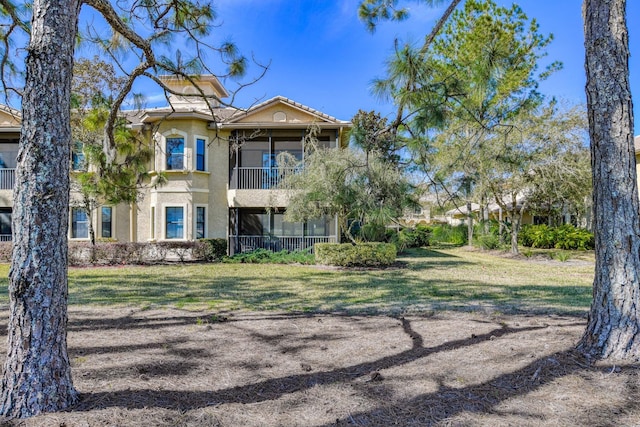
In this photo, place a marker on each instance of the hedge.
(349, 255)
(563, 237)
(111, 253)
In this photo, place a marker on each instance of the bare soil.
(181, 368)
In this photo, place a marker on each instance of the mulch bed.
(181, 368)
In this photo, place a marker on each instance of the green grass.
(450, 278)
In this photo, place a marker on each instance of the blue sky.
(322, 56)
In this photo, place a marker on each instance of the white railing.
(239, 244)
(259, 178)
(7, 179)
(5, 237)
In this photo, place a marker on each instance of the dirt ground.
(180, 368)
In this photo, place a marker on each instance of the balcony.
(7, 179)
(243, 178)
(240, 244)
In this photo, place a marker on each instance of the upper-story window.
(175, 153)
(201, 146)
(77, 157)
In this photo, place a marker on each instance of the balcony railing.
(5, 237)
(7, 179)
(239, 244)
(259, 178)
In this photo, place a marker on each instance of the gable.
(280, 111)
(9, 118)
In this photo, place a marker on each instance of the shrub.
(404, 239)
(569, 237)
(6, 249)
(264, 256)
(488, 241)
(564, 237)
(445, 233)
(537, 236)
(210, 249)
(363, 254)
(422, 235)
(561, 256)
(83, 253)
(373, 232)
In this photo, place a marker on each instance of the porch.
(261, 228)
(7, 178)
(241, 244)
(259, 178)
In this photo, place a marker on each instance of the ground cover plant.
(444, 337)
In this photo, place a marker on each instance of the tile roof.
(279, 98)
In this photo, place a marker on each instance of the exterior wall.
(6, 198)
(188, 188)
(280, 114)
(638, 167)
(257, 198)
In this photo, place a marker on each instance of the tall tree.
(37, 375)
(516, 163)
(613, 329)
(356, 187)
(96, 182)
(472, 83)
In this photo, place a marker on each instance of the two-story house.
(222, 169)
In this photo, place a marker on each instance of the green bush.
(373, 233)
(264, 256)
(488, 241)
(445, 233)
(210, 249)
(537, 236)
(410, 237)
(348, 255)
(565, 237)
(569, 237)
(422, 235)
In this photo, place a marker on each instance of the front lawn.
(424, 280)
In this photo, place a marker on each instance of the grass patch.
(451, 278)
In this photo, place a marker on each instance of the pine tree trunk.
(469, 225)
(613, 326)
(37, 375)
(515, 226)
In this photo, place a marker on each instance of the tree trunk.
(37, 375)
(469, 224)
(614, 321)
(515, 227)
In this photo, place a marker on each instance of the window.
(77, 157)
(283, 228)
(200, 222)
(175, 153)
(106, 222)
(201, 145)
(79, 224)
(175, 223)
(5, 224)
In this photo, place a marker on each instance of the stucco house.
(222, 173)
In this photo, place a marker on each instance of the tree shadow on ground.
(443, 403)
